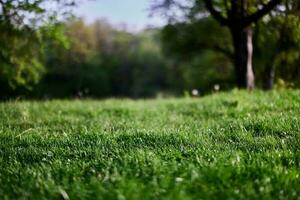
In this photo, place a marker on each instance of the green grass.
(225, 146)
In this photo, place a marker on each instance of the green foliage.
(200, 42)
(23, 27)
(206, 70)
(189, 39)
(231, 146)
(277, 45)
(42, 57)
(102, 61)
(193, 31)
(205, 59)
(19, 63)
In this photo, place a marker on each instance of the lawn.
(235, 145)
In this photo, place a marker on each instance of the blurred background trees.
(102, 61)
(53, 55)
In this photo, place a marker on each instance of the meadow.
(235, 145)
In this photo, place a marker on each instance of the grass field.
(224, 146)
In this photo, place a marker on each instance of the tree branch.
(260, 13)
(216, 14)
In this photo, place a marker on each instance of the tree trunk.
(243, 51)
(268, 78)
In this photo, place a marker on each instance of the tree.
(239, 16)
(239, 20)
(23, 27)
(277, 44)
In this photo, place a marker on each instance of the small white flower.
(216, 87)
(195, 92)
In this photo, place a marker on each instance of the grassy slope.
(226, 145)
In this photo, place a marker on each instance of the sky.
(134, 13)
